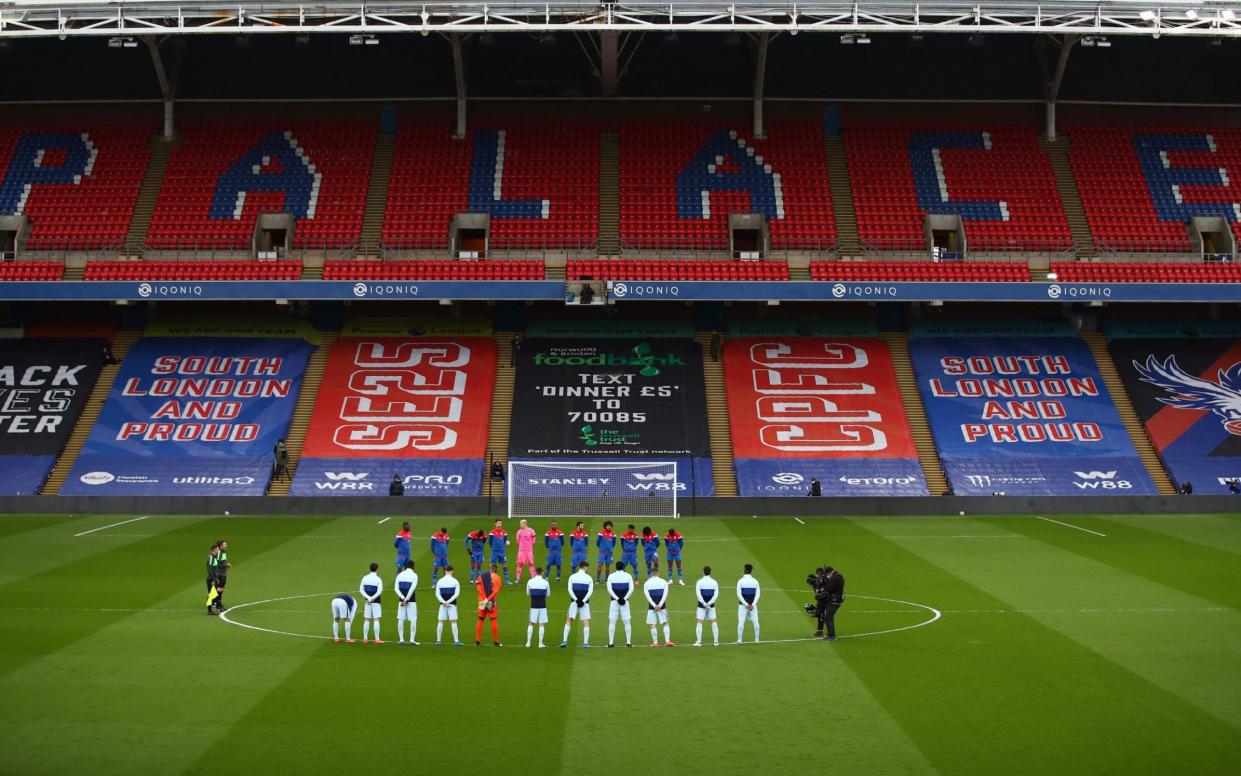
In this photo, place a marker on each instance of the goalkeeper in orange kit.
(489, 584)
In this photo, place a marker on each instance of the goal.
(590, 489)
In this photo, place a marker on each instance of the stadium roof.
(104, 18)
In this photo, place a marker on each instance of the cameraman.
(835, 599)
(818, 581)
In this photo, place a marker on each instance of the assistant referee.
(835, 599)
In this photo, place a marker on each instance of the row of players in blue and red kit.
(497, 541)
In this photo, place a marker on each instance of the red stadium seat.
(652, 155)
(635, 269)
(491, 269)
(245, 269)
(340, 155)
(91, 211)
(555, 162)
(1014, 170)
(915, 271)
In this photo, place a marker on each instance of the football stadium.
(684, 387)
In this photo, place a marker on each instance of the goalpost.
(590, 489)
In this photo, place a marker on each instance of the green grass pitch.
(1114, 649)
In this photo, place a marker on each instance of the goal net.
(587, 489)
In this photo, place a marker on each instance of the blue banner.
(1022, 407)
(192, 416)
(850, 291)
(373, 476)
(578, 479)
(23, 475)
(1048, 477)
(104, 475)
(836, 476)
(201, 397)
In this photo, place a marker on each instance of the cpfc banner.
(1188, 393)
(609, 398)
(812, 397)
(837, 477)
(44, 383)
(401, 397)
(201, 397)
(112, 475)
(354, 477)
(1008, 406)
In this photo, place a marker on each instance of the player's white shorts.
(372, 611)
(538, 616)
(579, 611)
(707, 614)
(448, 612)
(407, 612)
(744, 614)
(619, 611)
(656, 618)
(340, 610)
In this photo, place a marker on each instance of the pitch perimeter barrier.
(124, 507)
(416, 409)
(44, 383)
(1026, 416)
(1188, 394)
(192, 416)
(812, 407)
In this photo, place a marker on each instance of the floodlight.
(1228, 15)
(1147, 16)
(122, 42)
(1192, 14)
(363, 40)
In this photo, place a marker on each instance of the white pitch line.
(935, 616)
(386, 519)
(112, 525)
(1068, 525)
(798, 519)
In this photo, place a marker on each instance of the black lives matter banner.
(609, 398)
(44, 383)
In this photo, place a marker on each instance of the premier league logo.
(1194, 393)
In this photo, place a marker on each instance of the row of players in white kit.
(581, 587)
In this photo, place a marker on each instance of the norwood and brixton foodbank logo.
(640, 356)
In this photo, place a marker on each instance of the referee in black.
(835, 599)
(221, 574)
(213, 564)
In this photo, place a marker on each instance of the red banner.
(404, 397)
(814, 397)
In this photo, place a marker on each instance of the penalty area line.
(110, 525)
(381, 522)
(1069, 525)
(798, 519)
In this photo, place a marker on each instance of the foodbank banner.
(610, 399)
(44, 383)
(1188, 394)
